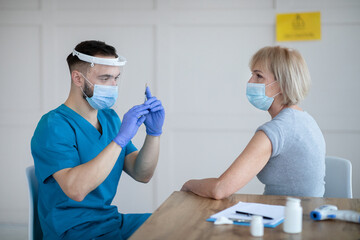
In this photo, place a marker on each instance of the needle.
(145, 92)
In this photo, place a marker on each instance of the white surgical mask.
(104, 96)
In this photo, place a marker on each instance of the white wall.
(195, 56)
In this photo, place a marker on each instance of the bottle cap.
(291, 199)
(293, 202)
(256, 218)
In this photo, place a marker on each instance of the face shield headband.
(119, 61)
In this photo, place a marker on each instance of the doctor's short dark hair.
(92, 48)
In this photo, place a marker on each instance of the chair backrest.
(34, 228)
(338, 176)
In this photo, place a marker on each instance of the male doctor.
(81, 148)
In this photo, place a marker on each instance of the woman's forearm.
(209, 187)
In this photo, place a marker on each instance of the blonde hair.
(289, 69)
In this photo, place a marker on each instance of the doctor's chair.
(34, 228)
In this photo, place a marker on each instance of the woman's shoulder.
(282, 122)
(291, 115)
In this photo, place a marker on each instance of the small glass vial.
(257, 226)
(293, 216)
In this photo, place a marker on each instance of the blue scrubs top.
(64, 139)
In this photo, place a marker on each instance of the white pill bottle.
(257, 226)
(293, 216)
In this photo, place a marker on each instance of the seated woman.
(287, 154)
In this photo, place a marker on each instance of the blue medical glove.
(155, 119)
(131, 123)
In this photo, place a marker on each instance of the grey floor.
(13, 231)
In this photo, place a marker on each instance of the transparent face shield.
(119, 61)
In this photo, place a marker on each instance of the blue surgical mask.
(104, 96)
(255, 93)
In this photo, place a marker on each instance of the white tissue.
(223, 220)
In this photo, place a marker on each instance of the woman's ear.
(77, 78)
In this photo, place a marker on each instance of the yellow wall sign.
(298, 26)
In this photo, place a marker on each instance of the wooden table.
(183, 216)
